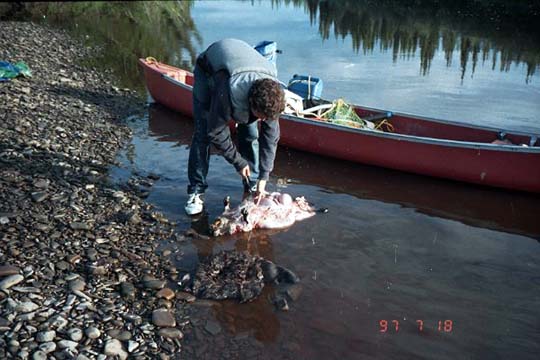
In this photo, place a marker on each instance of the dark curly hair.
(266, 97)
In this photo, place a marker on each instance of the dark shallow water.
(393, 246)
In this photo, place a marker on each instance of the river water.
(402, 266)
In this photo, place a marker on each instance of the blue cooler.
(306, 86)
(268, 49)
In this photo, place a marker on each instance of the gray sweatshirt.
(220, 135)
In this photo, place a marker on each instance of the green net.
(342, 113)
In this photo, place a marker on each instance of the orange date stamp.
(392, 326)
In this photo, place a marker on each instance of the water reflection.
(503, 32)
(126, 30)
(512, 212)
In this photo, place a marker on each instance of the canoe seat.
(317, 111)
(295, 106)
(293, 103)
(177, 75)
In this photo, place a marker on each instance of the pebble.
(132, 346)
(165, 293)
(92, 332)
(77, 284)
(162, 303)
(75, 334)
(127, 289)
(119, 335)
(39, 196)
(170, 333)
(114, 347)
(92, 254)
(14, 343)
(58, 322)
(163, 318)
(62, 265)
(45, 336)
(26, 289)
(97, 270)
(187, 297)
(74, 259)
(7, 270)
(68, 344)
(26, 317)
(47, 347)
(10, 281)
(41, 183)
(154, 284)
(26, 306)
(79, 226)
(39, 355)
(166, 252)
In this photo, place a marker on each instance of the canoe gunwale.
(418, 139)
(452, 123)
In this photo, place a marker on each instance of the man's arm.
(218, 119)
(268, 140)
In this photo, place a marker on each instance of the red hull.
(419, 145)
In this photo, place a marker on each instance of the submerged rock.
(170, 333)
(163, 318)
(237, 275)
(212, 327)
(229, 275)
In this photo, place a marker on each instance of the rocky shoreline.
(79, 273)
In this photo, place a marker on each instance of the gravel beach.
(79, 273)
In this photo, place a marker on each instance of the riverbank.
(79, 271)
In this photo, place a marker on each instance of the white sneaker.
(194, 204)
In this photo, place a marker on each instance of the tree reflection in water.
(503, 32)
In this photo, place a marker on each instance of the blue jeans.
(199, 152)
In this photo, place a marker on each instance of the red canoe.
(420, 145)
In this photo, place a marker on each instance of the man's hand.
(260, 190)
(245, 173)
